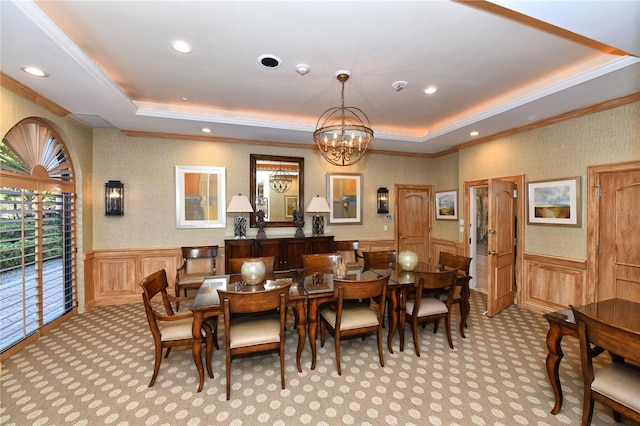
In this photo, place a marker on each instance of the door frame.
(593, 219)
(519, 181)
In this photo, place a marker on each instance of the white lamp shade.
(239, 204)
(318, 204)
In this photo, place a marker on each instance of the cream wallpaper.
(146, 166)
(562, 150)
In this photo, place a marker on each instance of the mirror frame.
(254, 158)
(181, 220)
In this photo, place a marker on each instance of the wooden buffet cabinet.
(287, 251)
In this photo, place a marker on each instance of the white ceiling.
(497, 65)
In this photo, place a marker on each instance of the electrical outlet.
(385, 227)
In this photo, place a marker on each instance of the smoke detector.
(399, 85)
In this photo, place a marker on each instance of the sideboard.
(287, 251)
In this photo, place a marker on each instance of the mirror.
(277, 188)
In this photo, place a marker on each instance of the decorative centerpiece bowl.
(407, 260)
(253, 271)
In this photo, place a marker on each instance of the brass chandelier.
(343, 133)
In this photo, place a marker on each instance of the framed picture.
(447, 205)
(200, 197)
(290, 204)
(345, 198)
(554, 202)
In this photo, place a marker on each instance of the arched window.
(37, 234)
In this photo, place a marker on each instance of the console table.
(287, 251)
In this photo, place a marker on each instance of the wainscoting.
(112, 277)
(552, 283)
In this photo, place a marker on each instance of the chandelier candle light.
(343, 133)
(240, 204)
(318, 205)
(280, 180)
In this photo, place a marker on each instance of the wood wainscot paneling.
(376, 245)
(112, 277)
(552, 283)
(448, 246)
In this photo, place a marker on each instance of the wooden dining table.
(617, 312)
(207, 304)
(402, 285)
(319, 288)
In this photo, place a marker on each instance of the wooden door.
(413, 221)
(501, 247)
(618, 251)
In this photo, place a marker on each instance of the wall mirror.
(276, 188)
(200, 197)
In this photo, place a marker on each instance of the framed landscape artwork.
(554, 202)
(447, 205)
(290, 204)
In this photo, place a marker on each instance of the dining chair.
(168, 328)
(235, 264)
(354, 314)
(425, 305)
(617, 384)
(254, 322)
(349, 250)
(383, 259)
(319, 263)
(197, 263)
(463, 264)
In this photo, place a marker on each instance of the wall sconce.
(383, 200)
(114, 198)
(239, 204)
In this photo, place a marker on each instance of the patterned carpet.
(95, 368)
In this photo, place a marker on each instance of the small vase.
(253, 271)
(407, 260)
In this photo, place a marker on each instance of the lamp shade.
(318, 204)
(239, 204)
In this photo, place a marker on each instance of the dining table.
(207, 304)
(320, 289)
(617, 312)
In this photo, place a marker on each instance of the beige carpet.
(95, 368)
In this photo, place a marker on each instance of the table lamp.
(318, 205)
(240, 204)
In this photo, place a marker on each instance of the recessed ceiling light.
(474, 133)
(269, 61)
(184, 98)
(181, 46)
(430, 90)
(35, 71)
(206, 130)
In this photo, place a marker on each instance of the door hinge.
(515, 193)
(598, 250)
(598, 191)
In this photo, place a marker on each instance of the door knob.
(491, 252)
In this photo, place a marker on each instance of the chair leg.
(156, 365)
(166, 355)
(209, 349)
(177, 295)
(282, 363)
(228, 358)
(617, 416)
(436, 323)
(414, 331)
(447, 323)
(587, 406)
(337, 338)
(323, 329)
(380, 350)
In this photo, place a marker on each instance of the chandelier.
(280, 180)
(343, 133)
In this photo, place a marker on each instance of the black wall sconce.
(114, 198)
(383, 200)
